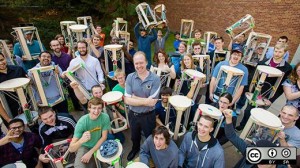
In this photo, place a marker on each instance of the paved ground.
(231, 154)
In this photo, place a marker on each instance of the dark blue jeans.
(247, 114)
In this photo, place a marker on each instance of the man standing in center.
(141, 94)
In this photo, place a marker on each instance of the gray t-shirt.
(165, 158)
(293, 136)
(149, 87)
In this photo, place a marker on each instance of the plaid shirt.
(29, 156)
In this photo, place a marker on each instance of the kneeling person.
(90, 132)
(160, 148)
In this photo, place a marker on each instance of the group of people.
(146, 98)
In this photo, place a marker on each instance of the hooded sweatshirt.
(241, 145)
(211, 155)
(166, 158)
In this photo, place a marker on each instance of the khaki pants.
(78, 164)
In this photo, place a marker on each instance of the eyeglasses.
(223, 102)
(120, 78)
(236, 54)
(15, 128)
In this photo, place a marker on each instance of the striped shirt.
(64, 127)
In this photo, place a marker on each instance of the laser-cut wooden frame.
(72, 77)
(246, 23)
(186, 31)
(251, 46)
(20, 32)
(39, 86)
(87, 20)
(145, 13)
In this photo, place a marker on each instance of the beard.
(57, 50)
(83, 53)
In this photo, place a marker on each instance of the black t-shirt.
(200, 144)
(219, 57)
(12, 73)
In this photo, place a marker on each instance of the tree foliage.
(46, 14)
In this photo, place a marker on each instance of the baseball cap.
(142, 29)
(262, 45)
(28, 32)
(237, 49)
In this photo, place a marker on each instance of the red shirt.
(273, 64)
(101, 43)
(65, 49)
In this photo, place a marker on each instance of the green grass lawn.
(168, 45)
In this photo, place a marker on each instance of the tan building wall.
(274, 17)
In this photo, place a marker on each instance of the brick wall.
(274, 17)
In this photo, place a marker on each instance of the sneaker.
(132, 154)
(239, 128)
(238, 111)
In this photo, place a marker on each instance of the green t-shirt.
(86, 124)
(119, 88)
(193, 40)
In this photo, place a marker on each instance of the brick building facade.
(274, 17)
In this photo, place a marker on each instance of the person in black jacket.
(54, 127)
(241, 145)
(278, 62)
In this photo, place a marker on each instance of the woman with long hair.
(64, 47)
(223, 105)
(291, 88)
(161, 60)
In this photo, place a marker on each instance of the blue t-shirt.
(176, 59)
(176, 44)
(211, 47)
(234, 79)
(18, 146)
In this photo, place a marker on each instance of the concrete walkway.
(231, 154)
